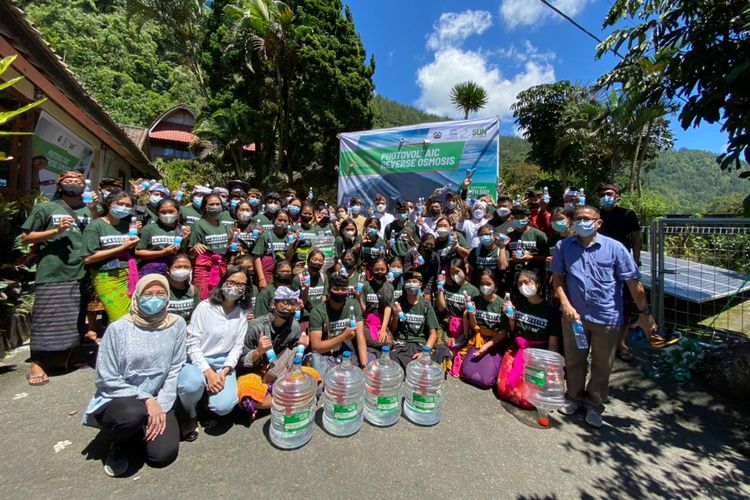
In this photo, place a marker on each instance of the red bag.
(512, 390)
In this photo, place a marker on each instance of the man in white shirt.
(470, 228)
(381, 214)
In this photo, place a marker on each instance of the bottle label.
(345, 412)
(423, 402)
(297, 421)
(388, 404)
(535, 376)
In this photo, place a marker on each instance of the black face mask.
(427, 251)
(306, 219)
(284, 279)
(348, 264)
(314, 266)
(379, 276)
(284, 314)
(71, 189)
(337, 298)
(435, 212)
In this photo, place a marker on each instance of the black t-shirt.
(536, 322)
(618, 224)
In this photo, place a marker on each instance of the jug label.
(535, 376)
(296, 421)
(345, 412)
(423, 402)
(388, 404)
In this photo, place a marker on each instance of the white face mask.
(503, 212)
(527, 290)
(244, 216)
(487, 290)
(380, 208)
(168, 219)
(443, 231)
(349, 234)
(458, 278)
(180, 274)
(478, 214)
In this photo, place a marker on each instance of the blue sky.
(422, 48)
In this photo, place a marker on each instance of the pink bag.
(374, 324)
(455, 342)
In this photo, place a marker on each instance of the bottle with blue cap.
(384, 380)
(344, 395)
(352, 318)
(147, 184)
(133, 229)
(342, 270)
(579, 334)
(181, 192)
(424, 393)
(581, 197)
(290, 238)
(88, 196)
(297, 315)
(178, 236)
(256, 230)
(293, 408)
(360, 284)
(271, 355)
(306, 280)
(234, 246)
(546, 197)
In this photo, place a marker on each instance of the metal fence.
(698, 271)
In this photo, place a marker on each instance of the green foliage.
(647, 207)
(6, 116)
(192, 172)
(468, 97)
(390, 113)
(727, 204)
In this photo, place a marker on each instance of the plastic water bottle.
(470, 307)
(290, 238)
(392, 241)
(420, 259)
(383, 390)
(297, 315)
(579, 334)
(519, 250)
(401, 315)
(301, 236)
(256, 230)
(293, 408)
(423, 390)
(581, 197)
(310, 194)
(178, 236)
(88, 196)
(360, 284)
(544, 381)
(299, 351)
(133, 230)
(271, 355)
(352, 318)
(545, 197)
(343, 408)
(181, 192)
(441, 280)
(147, 184)
(382, 250)
(234, 246)
(306, 276)
(509, 311)
(342, 270)
(450, 240)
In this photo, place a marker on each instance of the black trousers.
(126, 418)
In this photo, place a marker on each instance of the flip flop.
(43, 377)
(624, 354)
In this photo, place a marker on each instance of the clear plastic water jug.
(383, 390)
(344, 398)
(424, 393)
(544, 381)
(293, 408)
(325, 244)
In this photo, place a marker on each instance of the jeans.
(191, 384)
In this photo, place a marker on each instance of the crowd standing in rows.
(197, 289)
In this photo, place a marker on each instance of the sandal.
(38, 380)
(624, 354)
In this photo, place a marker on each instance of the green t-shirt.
(304, 246)
(318, 288)
(536, 322)
(399, 233)
(490, 314)
(371, 251)
(481, 258)
(326, 230)
(446, 251)
(183, 302)
(342, 245)
(157, 237)
(60, 256)
(265, 222)
(189, 215)
(420, 319)
(101, 235)
(264, 300)
(454, 298)
(226, 219)
(323, 318)
(378, 296)
(270, 243)
(214, 237)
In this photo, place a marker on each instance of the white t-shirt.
(385, 219)
(212, 333)
(470, 228)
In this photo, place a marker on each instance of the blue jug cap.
(426, 348)
(347, 354)
(386, 348)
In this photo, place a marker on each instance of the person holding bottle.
(528, 246)
(449, 243)
(373, 246)
(156, 192)
(400, 235)
(306, 231)
(491, 254)
(376, 304)
(273, 246)
(272, 207)
(347, 238)
(312, 286)
(191, 213)
(245, 226)
(209, 244)
(426, 261)
(282, 276)
(183, 295)
(396, 277)
(137, 366)
(108, 244)
(247, 263)
(215, 337)
(381, 213)
(57, 318)
(351, 268)
(158, 241)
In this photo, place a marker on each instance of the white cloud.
(453, 64)
(454, 27)
(533, 12)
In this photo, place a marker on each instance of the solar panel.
(693, 281)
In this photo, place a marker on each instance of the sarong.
(112, 289)
(58, 318)
(209, 268)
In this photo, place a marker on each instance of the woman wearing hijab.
(139, 359)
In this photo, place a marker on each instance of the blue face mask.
(120, 212)
(197, 202)
(607, 201)
(356, 209)
(372, 232)
(560, 225)
(254, 202)
(585, 228)
(403, 216)
(396, 271)
(521, 224)
(234, 203)
(486, 239)
(294, 209)
(151, 306)
(154, 200)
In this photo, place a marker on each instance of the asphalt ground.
(659, 440)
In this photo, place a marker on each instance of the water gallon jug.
(293, 408)
(344, 398)
(544, 381)
(383, 390)
(423, 391)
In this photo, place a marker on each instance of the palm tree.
(468, 97)
(224, 134)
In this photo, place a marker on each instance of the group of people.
(208, 295)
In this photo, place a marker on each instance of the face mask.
(435, 212)
(284, 279)
(283, 314)
(403, 217)
(443, 231)
(396, 272)
(348, 264)
(154, 200)
(503, 212)
(411, 288)
(349, 234)
(197, 202)
(234, 203)
(585, 228)
(214, 209)
(151, 306)
(560, 225)
(380, 208)
(379, 276)
(487, 290)
(337, 298)
(105, 193)
(450, 205)
(294, 209)
(119, 212)
(306, 219)
(372, 232)
(254, 202)
(486, 239)
(341, 215)
(272, 208)
(232, 292)
(527, 290)
(224, 202)
(180, 274)
(168, 219)
(478, 214)
(71, 189)
(314, 266)
(458, 278)
(607, 201)
(280, 225)
(520, 224)
(356, 209)
(244, 216)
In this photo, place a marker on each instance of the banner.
(409, 162)
(56, 149)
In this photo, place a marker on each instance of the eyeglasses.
(288, 303)
(242, 284)
(158, 295)
(584, 219)
(414, 282)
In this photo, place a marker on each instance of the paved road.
(663, 441)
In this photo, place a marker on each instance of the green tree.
(225, 133)
(468, 97)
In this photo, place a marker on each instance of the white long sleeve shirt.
(212, 333)
(470, 228)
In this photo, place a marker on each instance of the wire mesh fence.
(698, 271)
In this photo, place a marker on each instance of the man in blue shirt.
(589, 270)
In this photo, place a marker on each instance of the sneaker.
(593, 418)
(569, 408)
(116, 463)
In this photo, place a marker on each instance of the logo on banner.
(437, 135)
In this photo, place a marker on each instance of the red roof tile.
(174, 136)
